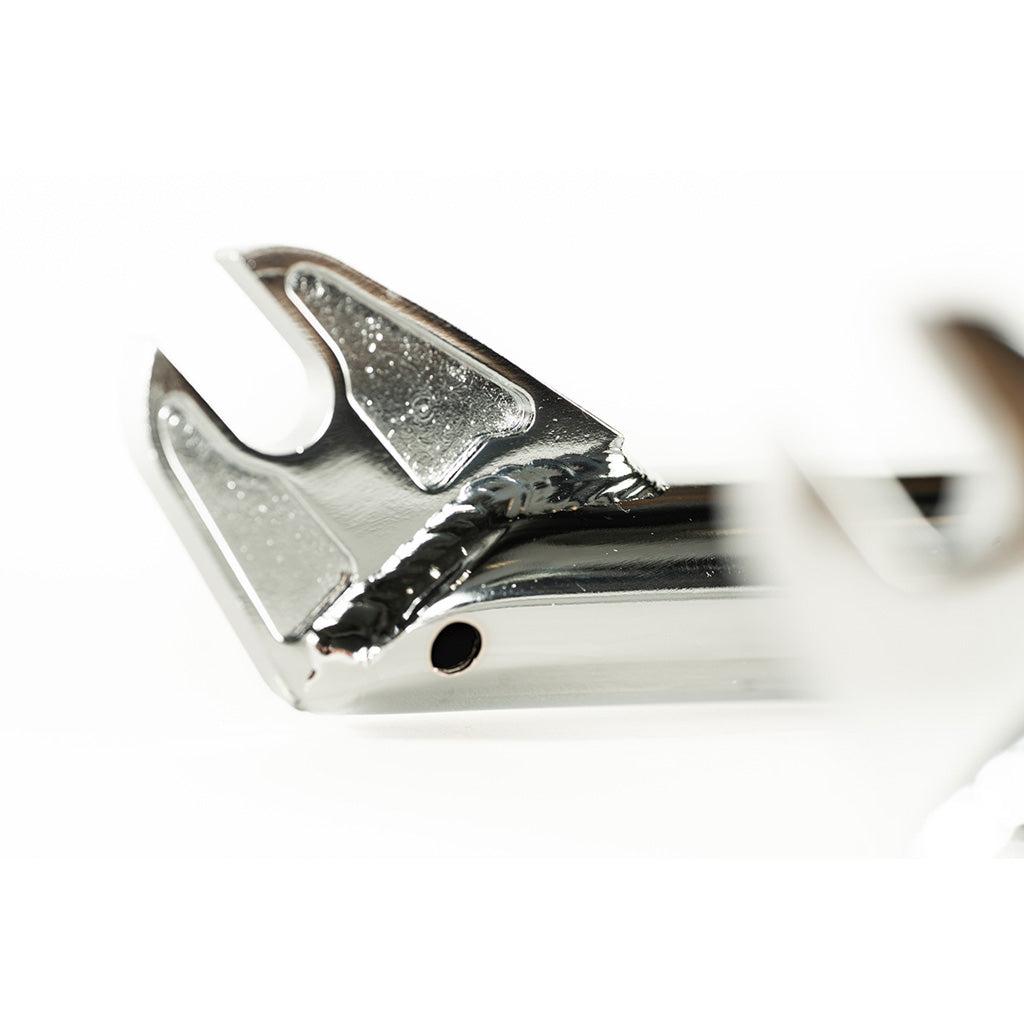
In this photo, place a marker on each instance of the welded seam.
(440, 557)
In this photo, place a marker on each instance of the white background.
(713, 225)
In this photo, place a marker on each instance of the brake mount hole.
(455, 648)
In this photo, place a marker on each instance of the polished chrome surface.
(338, 562)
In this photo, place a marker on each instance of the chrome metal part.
(449, 486)
(446, 486)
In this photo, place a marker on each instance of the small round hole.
(455, 647)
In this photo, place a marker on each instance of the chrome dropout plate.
(446, 485)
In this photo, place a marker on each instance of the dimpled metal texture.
(282, 555)
(432, 407)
